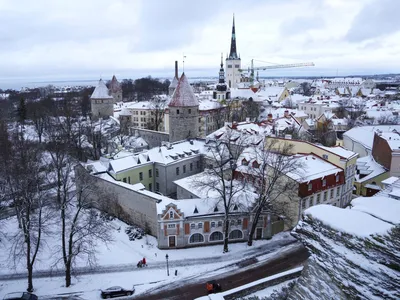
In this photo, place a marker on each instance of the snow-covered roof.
(208, 104)
(383, 208)
(390, 180)
(368, 166)
(183, 95)
(365, 134)
(115, 86)
(174, 83)
(313, 167)
(133, 187)
(351, 221)
(101, 91)
(339, 150)
(125, 163)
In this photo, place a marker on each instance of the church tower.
(233, 62)
(221, 93)
(183, 112)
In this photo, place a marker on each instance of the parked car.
(116, 291)
(213, 287)
(20, 296)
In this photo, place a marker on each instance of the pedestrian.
(144, 261)
(139, 264)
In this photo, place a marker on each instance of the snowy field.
(116, 263)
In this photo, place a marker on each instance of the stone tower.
(233, 62)
(221, 92)
(174, 81)
(101, 102)
(183, 112)
(116, 89)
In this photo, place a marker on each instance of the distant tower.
(116, 89)
(221, 92)
(174, 82)
(233, 62)
(102, 103)
(183, 112)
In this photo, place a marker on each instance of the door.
(258, 233)
(171, 239)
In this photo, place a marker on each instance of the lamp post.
(166, 257)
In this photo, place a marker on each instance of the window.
(157, 187)
(310, 202)
(235, 234)
(212, 224)
(192, 226)
(200, 225)
(325, 156)
(233, 222)
(177, 111)
(171, 225)
(337, 178)
(323, 182)
(229, 66)
(216, 236)
(191, 167)
(303, 204)
(318, 198)
(124, 179)
(157, 174)
(237, 66)
(150, 187)
(141, 176)
(325, 196)
(310, 186)
(171, 214)
(190, 111)
(219, 223)
(239, 221)
(150, 173)
(129, 179)
(196, 238)
(184, 168)
(338, 191)
(177, 171)
(332, 193)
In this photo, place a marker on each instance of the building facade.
(233, 62)
(101, 102)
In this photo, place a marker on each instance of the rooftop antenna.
(183, 60)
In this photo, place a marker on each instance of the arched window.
(236, 234)
(216, 236)
(196, 238)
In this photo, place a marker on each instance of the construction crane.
(274, 66)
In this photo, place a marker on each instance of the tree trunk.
(226, 238)
(68, 274)
(253, 228)
(30, 272)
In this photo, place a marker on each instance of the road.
(184, 290)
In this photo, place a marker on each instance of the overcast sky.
(85, 39)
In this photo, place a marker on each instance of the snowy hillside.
(354, 254)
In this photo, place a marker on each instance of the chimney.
(176, 69)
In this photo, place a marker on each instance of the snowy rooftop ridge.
(183, 95)
(101, 91)
(350, 221)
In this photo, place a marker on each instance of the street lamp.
(166, 257)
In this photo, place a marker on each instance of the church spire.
(221, 86)
(233, 53)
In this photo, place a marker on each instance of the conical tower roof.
(183, 95)
(115, 86)
(101, 91)
(174, 83)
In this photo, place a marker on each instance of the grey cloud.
(377, 18)
(300, 25)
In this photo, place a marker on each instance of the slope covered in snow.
(354, 255)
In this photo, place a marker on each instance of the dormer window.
(337, 178)
(171, 214)
(256, 165)
(323, 182)
(245, 162)
(309, 186)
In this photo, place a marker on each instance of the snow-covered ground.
(264, 293)
(122, 255)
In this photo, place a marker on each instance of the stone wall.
(183, 123)
(102, 108)
(153, 138)
(125, 203)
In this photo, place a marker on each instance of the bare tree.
(28, 195)
(218, 176)
(157, 110)
(265, 167)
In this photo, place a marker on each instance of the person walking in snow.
(144, 261)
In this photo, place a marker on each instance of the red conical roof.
(183, 95)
